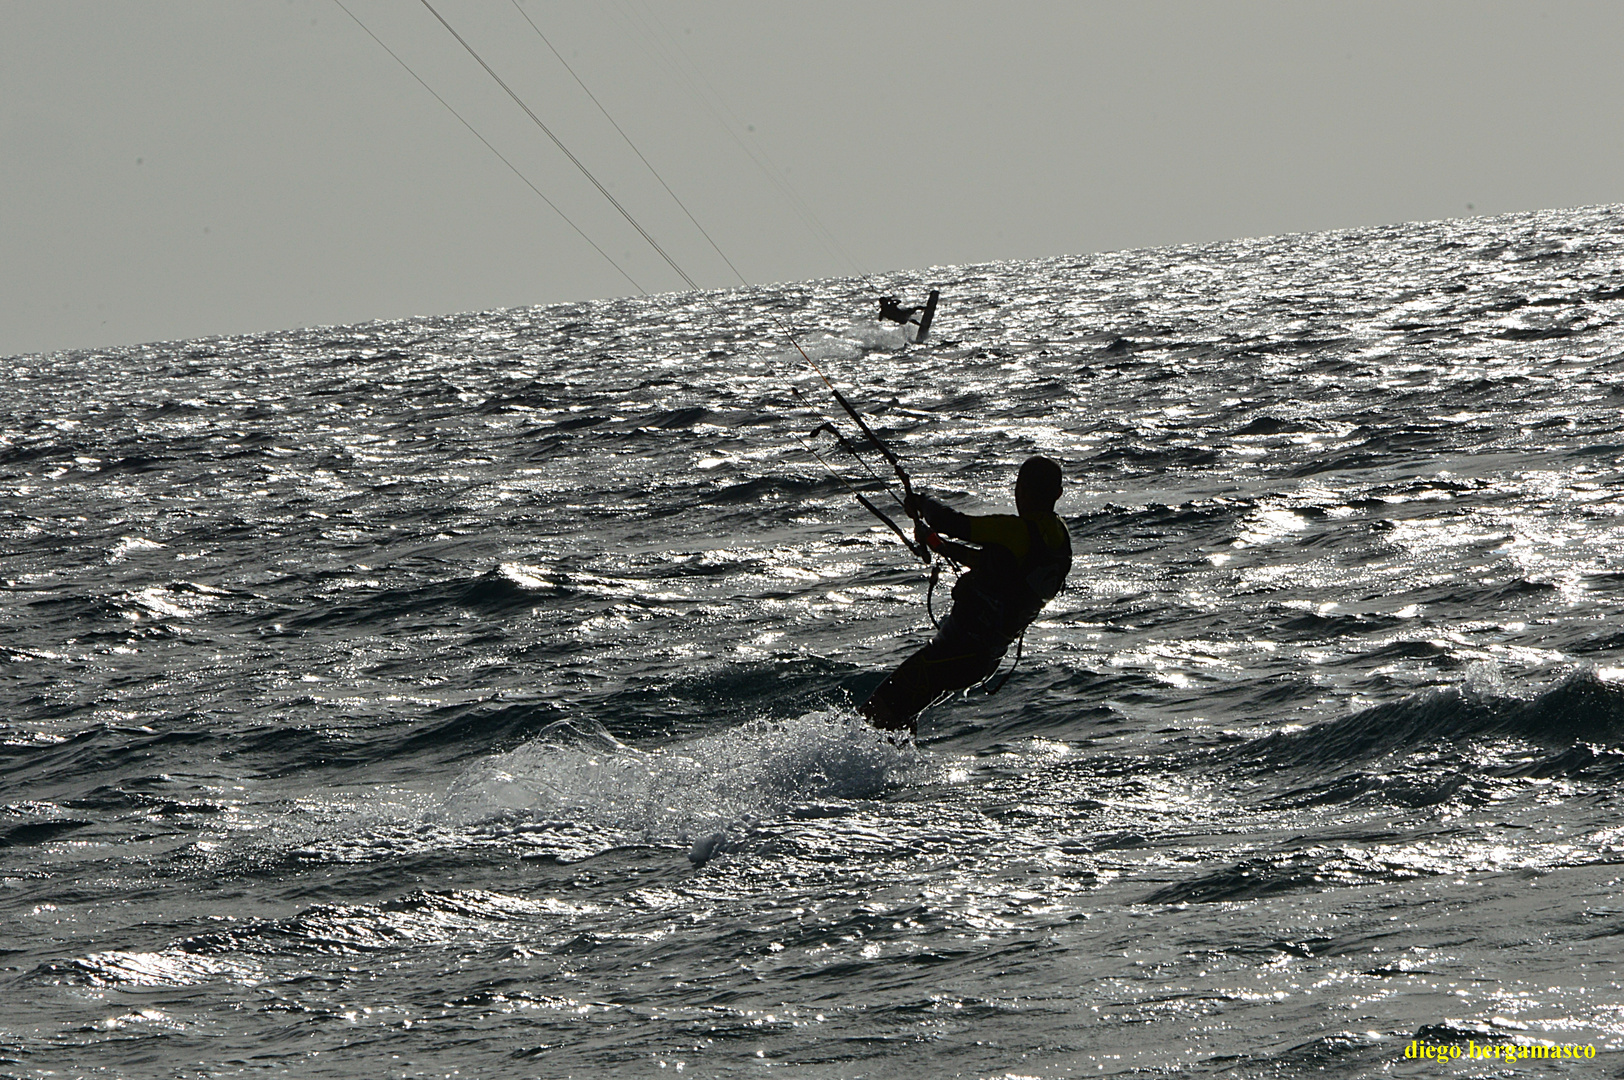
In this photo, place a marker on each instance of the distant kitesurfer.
(1019, 563)
(890, 309)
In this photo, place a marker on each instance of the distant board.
(929, 314)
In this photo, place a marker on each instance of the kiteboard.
(926, 316)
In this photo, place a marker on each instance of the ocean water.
(472, 696)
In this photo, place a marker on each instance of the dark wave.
(41, 452)
(97, 751)
(466, 730)
(1313, 870)
(1276, 425)
(1154, 457)
(491, 594)
(731, 693)
(1581, 708)
(38, 832)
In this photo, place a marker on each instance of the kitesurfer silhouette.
(1019, 562)
(890, 309)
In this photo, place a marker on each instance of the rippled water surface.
(472, 695)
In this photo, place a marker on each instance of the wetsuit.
(1018, 565)
(890, 309)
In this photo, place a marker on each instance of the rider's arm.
(1006, 530)
(944, 519)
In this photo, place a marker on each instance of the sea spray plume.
(576, 774)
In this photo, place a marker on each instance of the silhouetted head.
(1038, 485)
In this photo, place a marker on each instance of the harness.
(1007, 593)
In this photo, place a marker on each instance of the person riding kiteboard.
(891, 308)
(1019, 562)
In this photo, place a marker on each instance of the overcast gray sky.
(183, 168)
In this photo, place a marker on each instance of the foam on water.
(850, 344)
(576, 773)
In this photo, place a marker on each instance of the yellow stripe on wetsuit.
(1009, 531)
